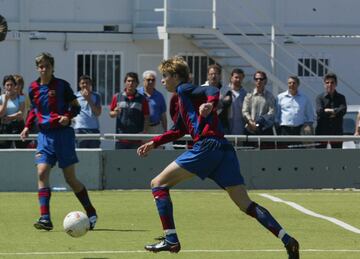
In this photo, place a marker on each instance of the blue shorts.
(56, 145)
(215, 159)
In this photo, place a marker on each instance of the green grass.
(205, 220)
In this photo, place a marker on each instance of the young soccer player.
(212, 156)
(54, 104)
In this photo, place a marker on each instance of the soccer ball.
(76, 224)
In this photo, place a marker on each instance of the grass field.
(208, 224)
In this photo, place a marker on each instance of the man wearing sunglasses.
(157, 104)
(259, 108)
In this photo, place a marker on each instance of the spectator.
(294, 111)
(231, 103)
(213, 76)
(357, 125)
(259, 109)
(131, 111)
(157, 105)
(87, 121)
(12, 109)
(20, 89)
(330, 109)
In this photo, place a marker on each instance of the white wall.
(78, 25)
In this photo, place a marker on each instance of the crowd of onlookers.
(143, 109)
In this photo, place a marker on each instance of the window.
(105, 71)
(311, 67)
(198, 67)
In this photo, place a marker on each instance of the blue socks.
(165, 209)
(266, 219)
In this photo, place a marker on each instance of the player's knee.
(42, 176)
(154, 183)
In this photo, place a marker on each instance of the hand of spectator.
(64, 120)
(252, 125)
(24, 133)
(205, 109)
(357, 132)
(7, 95)
(117, 109)
(86, 94)
(143, 150)
(307, 130)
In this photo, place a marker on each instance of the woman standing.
(12, 109)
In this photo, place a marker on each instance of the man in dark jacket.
(330, 110)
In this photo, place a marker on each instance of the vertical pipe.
(166, 43)
(272, 58)
(214, 14)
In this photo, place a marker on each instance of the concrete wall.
(18, 171)
(123, 169)
(265, 169)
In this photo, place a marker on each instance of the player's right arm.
(29, 121)
(24, 133)
(144, 149)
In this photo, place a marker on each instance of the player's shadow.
(118, 230)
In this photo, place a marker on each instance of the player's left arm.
(212, 98)
(74, 106)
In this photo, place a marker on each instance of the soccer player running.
(54, 104)
(212, 156)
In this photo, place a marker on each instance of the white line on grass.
(182, 251)
(311, 213)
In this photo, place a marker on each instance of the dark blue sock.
(165, 210)
(285, 239)
(267, 220)
(84, 199)
(44, 195)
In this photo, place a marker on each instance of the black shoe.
(163, 245)
(45, 224)
(292, 248)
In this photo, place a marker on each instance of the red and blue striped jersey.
(48, 102)
(188, 120)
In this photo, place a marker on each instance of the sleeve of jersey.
(177, 131)
(113, 102)
(212, 95)
(30, 118)
(167, 137)
(74, 109)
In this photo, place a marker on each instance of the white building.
(107, 38)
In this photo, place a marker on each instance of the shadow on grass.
(118, 230)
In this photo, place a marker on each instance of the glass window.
(198, 67)
(312, 67)
(105, 71)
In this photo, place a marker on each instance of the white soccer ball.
(76, 224)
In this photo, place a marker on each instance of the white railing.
(4, 137)
(237, 140)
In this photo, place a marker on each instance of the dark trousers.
(263, 145)
(289, 131)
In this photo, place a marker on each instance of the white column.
(166, 40)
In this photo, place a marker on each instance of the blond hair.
(44, 57)
(175, 66)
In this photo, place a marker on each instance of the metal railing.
(237, 140)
